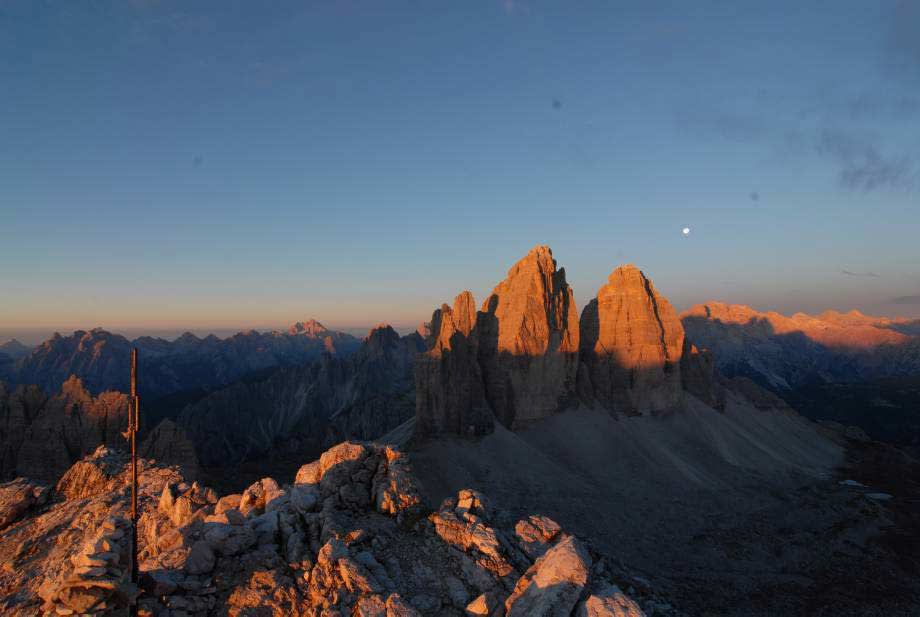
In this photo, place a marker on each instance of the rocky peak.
(381, 338)
(310, 327)
(528, 341)
(832, 329)
(515, 360)
(15, 349)
(525, 355)
(631, 342)
(534, 307)
(447, 321)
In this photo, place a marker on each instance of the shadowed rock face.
(631, 345)
(450, 395)
(169, 444)
(41, 437)
(515, 360)
(68, 426)
(303, 409)
(18, 408)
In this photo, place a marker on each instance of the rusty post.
(133, 427)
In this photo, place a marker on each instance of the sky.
(209, 166)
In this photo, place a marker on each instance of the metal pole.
(133, 426)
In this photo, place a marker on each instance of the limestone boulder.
(554, 583)
(17, 498)
(96, 474)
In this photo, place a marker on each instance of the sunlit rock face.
(525, 355)
(631, 345)
(528, 341)
(516, 360)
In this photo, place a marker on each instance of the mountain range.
(101, 359)
(848, 368)
(636, 461)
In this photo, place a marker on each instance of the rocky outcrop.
(98, 473)
(42, 437)
(553, 584)
(168, 444)
(18, 497)
(305, 409)
(98, 581)
(631, 345)
(68, 426)
(349, 537)
(449, 388)
(19, 407)
(699, 376)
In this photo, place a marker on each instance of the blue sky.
(220, 165)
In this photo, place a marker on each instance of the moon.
(685, 231)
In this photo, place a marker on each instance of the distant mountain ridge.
(782, 352)
(307, 408)
(14, 349)
(101, 359)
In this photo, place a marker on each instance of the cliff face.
(449, 389)
(528, 341)
(19, 406)
(68, 426)
(631, 345)
(515, 361)
(40, 437)
(525, 355)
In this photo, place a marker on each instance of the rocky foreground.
(350, 536)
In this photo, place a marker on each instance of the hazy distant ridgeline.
(301, 410)
(847, 367)
(101, 359)
(783, 353)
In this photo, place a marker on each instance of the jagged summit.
(102, 359)
(631, 343)
(310, 327)
(852, 330)
(14, 349)
(526, 355)
(515, 360)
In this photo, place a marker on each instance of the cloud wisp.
(868, 274)
(863, 166)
